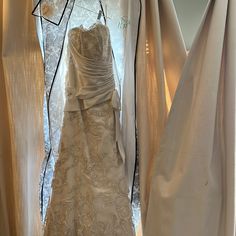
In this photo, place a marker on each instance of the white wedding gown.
(89, 188)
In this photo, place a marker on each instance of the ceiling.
(189, 13)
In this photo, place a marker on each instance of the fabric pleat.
(21, 120)
(187, 181)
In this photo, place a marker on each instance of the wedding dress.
(89, 188)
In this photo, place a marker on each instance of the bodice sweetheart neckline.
(90, 28)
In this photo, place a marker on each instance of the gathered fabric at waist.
(95, 80)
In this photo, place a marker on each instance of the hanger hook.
(102, 10)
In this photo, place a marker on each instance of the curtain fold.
(21, 136)
(7, 205)
(228, 227)
(187, 160)
(131, 9)
(161, 56)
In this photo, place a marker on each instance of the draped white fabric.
(21, 135)
(187, 179)
(161, 49)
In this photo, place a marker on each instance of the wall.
(190, 13)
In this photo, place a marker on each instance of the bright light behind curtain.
(187, 161)
(21, 123)
(161, 56)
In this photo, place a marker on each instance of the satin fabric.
(187, 162)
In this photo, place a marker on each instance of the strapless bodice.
(90, 67)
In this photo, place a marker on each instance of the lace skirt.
(89, 188)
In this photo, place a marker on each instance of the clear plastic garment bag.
(57, 19)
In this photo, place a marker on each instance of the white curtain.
(187, 160)
(161, 55)
(21, 125)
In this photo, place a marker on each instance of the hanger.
(102, 10)
(99, 15)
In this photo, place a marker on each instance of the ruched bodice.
(91, 56)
